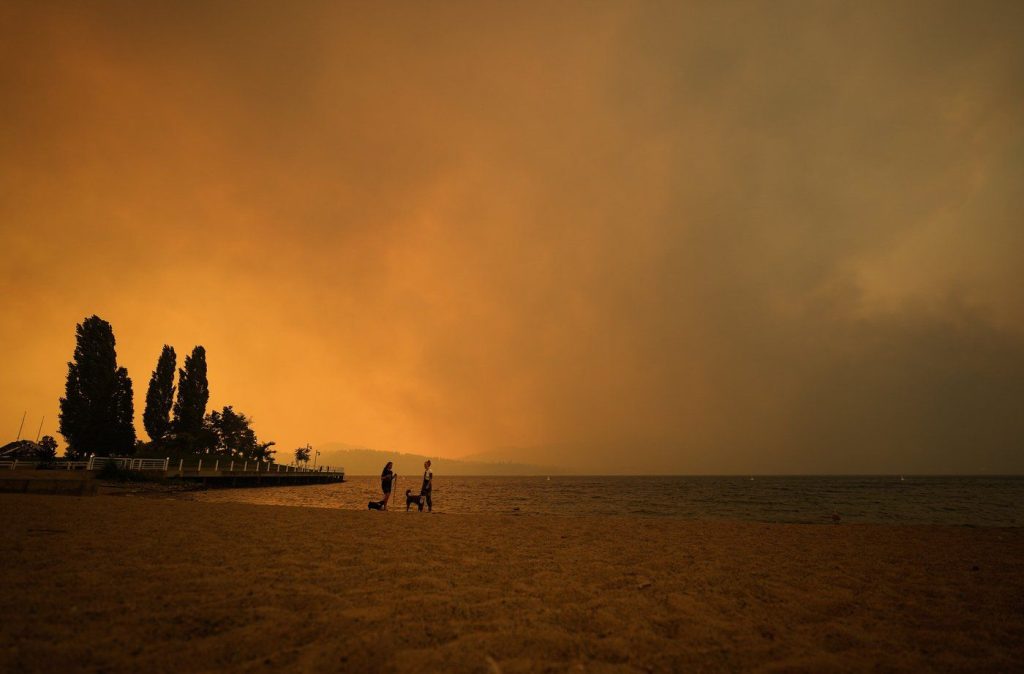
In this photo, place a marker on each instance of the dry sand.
(140, 584)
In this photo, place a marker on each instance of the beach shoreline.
(170, 584)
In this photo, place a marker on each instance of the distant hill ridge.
(360, 461)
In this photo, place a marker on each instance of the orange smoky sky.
(613, 237)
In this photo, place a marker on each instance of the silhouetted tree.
(160, 395)
(47, 448)
(302, 454)
(124, 410)
(263, 451)
(96, 412)
(235, 437)
(193, 394)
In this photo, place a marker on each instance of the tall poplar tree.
(160, 395)
(124, 415)
(193, 394)
(96, 412)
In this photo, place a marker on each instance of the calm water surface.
(975, 501)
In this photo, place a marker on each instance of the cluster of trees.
(187, 428)
(230, 434)
(302, 454)
(97, 413)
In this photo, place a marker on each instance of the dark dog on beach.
(410, 499)
(375, 505)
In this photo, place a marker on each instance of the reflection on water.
(979, 501)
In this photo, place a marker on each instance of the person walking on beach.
(387, 477)
(428, 484)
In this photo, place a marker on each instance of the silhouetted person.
(387, 477)
(428, 484)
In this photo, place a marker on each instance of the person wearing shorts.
(428, 485)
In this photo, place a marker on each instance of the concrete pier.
(82, 480)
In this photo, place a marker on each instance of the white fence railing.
(127, 463)
(26, 464)
(215, 465)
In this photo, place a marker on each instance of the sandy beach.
(119, 584)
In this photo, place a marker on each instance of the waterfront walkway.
(79, 477)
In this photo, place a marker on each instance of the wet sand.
(120, 584)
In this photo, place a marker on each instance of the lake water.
(975, 501)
